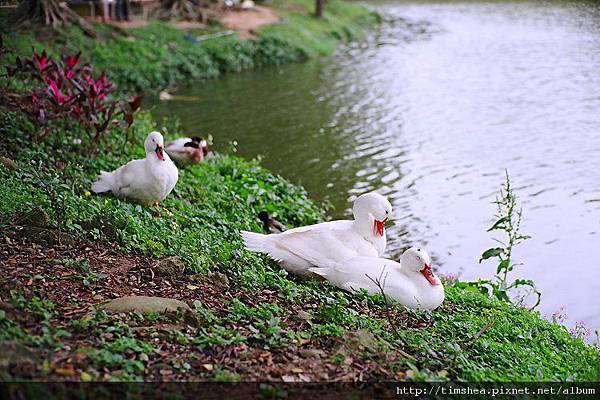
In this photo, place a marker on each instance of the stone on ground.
(144, 304)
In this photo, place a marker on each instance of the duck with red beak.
(148, 180)
(411, 282)
(296, 249)
(371, 213)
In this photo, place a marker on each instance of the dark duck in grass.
(271, 225)
(186, 151)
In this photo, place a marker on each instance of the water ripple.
(431, 114)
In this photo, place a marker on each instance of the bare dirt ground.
(137, 22)
(243, 22)
(246, 21)
(32, 269)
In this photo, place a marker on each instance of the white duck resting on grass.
(411, 282)
(148, 181)
(186, 151)
(334, 241)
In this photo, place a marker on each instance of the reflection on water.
(432, 120)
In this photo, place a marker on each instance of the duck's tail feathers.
(255, 242)
(105, 182)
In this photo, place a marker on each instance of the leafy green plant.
(508, 222)
(43, 310)
(472, 336)
(116, 355)
(223, 375)
(158, 55)
(66, 91)
(9, 329)
(218, 336)
(88, 278)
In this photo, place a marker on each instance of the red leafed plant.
(67, 90)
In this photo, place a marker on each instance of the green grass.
(159, 56)
(201, 222)
(341, 21)
(226, 196)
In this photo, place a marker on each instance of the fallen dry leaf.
(85, 377)
(67, 370)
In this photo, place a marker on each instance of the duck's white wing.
(299, 249)
(120, 180)
(316, 246)
(177, 149)
(359, 273)
(183, 154)
(131, 179)
(177, 144)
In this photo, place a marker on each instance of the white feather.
(148, 180)
(403, 282)
(299, 249)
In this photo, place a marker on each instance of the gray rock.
(170, 266)
(47, 236)
(214, 279)
(359, 342)
(311, 353)
(143, 304)
(35, 217)
(192, 319)
(303, 315)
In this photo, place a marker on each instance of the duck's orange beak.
(428, 274)
(378, 227)
(159, 153)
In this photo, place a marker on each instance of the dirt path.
(243, 22)
(246, 21)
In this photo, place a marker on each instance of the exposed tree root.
(51, 13)
(187, 10)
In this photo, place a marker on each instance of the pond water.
(431, 113)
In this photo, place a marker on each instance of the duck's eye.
(418, 249)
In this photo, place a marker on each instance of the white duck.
(185, 151)
(295, 249)
(148, 181)
(411, 282)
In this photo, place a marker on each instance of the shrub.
(66, 92)
(509, 222)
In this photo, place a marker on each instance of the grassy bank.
(66, 251)
(261, 308)
(158, 55)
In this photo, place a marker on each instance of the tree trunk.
(51, 13)
(319, 5)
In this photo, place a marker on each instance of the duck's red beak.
(159, 153)
(378, 227)
(428, 274)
